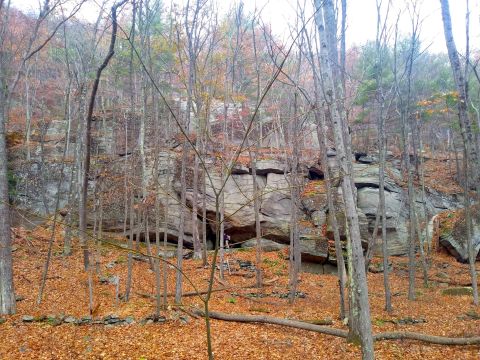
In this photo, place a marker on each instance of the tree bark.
(7, 294)
(87, 137)
(333, 96)
(467, 135)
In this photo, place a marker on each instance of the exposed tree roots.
(432, 339)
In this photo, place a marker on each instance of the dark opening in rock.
(315, 173)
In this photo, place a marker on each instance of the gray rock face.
(314, 248)
(238, 201)
(367, 159)
(397, 217)
(265, 167)
(38, 179)
(331, 152)
(366, 181)
(367, 176)
(319, 218)
(276, 207)
(240, 169)
(456, 242)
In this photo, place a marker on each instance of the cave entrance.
(315, 173)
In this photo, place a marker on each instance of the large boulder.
(453, 235)
(268, 166)
(314, 248)
(276, 207)
(366, 175)
(238, 202)
(266, 245)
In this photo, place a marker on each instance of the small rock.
(28, 318)
(409, 321)
(246, 265)
(111, 264)
(40, 318)
(112, 319)
(70, 320)
(442, 275)
(19, 298)
(86, 320)
(168, 254)
(155, 318)
(458, 291)
(378, 268)
(149, 321)
(184, 319)
(298, 294)
(113, 280)
(2, 321)
(53, 320)
(129, 320)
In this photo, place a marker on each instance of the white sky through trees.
(361, 18)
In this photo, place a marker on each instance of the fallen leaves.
(183, 337)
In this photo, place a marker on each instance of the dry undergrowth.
(66, 293)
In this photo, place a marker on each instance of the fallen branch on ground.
(432, 339)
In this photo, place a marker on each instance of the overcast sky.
(361, 18)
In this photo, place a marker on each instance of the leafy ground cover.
(182, 335)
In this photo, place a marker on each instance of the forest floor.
(182, 336)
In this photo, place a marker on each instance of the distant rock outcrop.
(37, 183)
(453, 236)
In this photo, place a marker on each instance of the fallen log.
(432, 339)
(273, 320)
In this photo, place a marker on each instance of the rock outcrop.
(453, 236)
(38, 186)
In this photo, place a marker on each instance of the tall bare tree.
(87, 135)
(333, 97)
(470, 163)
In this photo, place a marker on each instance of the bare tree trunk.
(87, 137)
(383, 212)
(165, 226)
(295, 253)
(467, 136)
(130, 248)
(181, 227)
(253, 161)
(382, 149)
(7, 295)
(341, 270)
(197, 249)
(326, 24)
(321, 129)
(204, 206)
